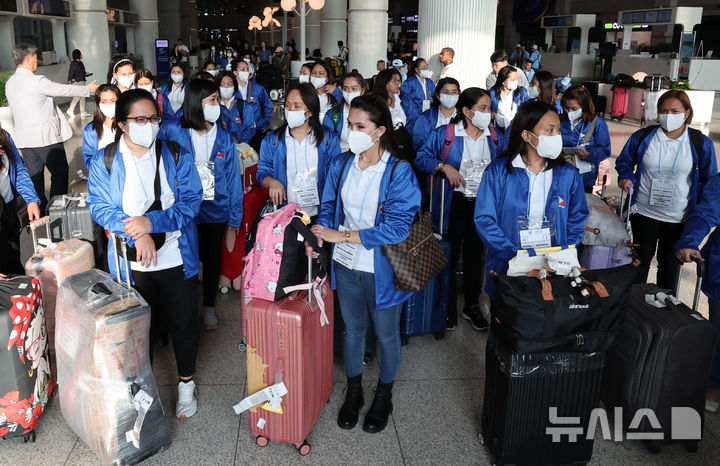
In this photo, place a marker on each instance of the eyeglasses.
(453, 92)
(142, 121)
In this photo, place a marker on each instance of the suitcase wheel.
(304, 449)
(482, 439)
(261, 441)
(224, 289)
(31, 437)
(404, 340)
(653, 446)
(439, 335)
(691, 447)
(242, 347)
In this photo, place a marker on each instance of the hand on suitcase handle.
(39, 222)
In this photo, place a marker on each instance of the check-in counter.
(560, 64)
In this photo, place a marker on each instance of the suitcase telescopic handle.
(116, 258)
(700, 265)
(35, 224)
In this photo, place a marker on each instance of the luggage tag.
(272, 395)
(344, 253)
(662, 192)
(536, 232)
(206, 170)
(306, 188)
(141, 402)
(473, 178)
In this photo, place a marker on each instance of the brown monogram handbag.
(419, 258)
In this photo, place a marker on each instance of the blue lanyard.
(677, 154)
(307, 164)
(581, 125)
(531, 187)
(367, 191)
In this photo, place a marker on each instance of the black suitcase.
(70, 219)
(520, 390)
(661, 359)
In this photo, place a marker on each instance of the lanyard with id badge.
(536, 231)
(305, 187)
(662, 190)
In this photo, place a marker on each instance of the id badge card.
(425, 104)
(535, 233)
(206, 171)
(662, 192)
(473, 179)
(306, 188)
(344, 253)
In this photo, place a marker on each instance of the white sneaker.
(187, 400)
(70, 114)
(209, 318)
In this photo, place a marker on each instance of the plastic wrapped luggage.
(661, 359)
(51, 265)
(109, 397)
(290, 363)
(26, 384)
(607, 241)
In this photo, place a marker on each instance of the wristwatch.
(439, 167)
(346, 237)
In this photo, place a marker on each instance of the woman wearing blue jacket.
(377, 202)
(417, 92)
(353, 85)
(172, 94)
(238, 117)
(441, 110)
(99, 132)
(150, 196)
(506, 97)
(14, 180)
(460, 152)
(295, 158)
(700, 222)
(667, 165)
(253, 93)
(216, 159)
(529, 187)
(580, 126)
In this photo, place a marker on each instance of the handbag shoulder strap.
(590, 131)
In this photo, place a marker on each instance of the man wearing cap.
(400, 66)
(281, 60)
(518, 56)
(535, 56)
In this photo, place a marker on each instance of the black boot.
(348, 415)
(377, 416)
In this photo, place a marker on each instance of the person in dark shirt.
(77, 75)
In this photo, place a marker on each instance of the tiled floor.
(437, 397)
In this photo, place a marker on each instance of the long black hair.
(546, 87)
(309, 96)
(440, 84)
(468, 98)
(5, 144)
(414, 65)
(98, 120)
(197, 90)
(381, 80)
(115, 63)
(379, 113)
(125, 102)
(330, 79)
(357, 77)
(502, 76)
(232, 76)
(527, 117)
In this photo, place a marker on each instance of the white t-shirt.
(203, 143)
(243, 89)
(397, 113)
(539, 187)
(139, 194)
(108, 136)
(176, 96)
(301, 156)
(443, 120)
(506, 109)
(5, 186)
(345, 133)
(661, 154)
(325, 105)
(474, 151)
(360, 195)
(449, 71)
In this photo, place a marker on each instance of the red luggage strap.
(316, 288)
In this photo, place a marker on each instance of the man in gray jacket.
(40, 127)
(499, 60)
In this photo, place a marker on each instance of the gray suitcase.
(70, 219)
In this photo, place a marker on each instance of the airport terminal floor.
(437, 399)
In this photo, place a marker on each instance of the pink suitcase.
(52, 264)
(290, 341)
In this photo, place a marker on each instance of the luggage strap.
(316, 289)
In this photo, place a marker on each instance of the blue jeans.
(715, 368)
(356, 293)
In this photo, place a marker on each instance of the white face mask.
(448, 100)
(481, 120)
(671, 121)
(144, 135)
(211, 112)
(295, 118)
(177, 78)
(227, 92)
(148, 88)
(212, 72)
(359, 142)
(512, 85)
(108, 110)
(425, 73)
(317, 82)
(125, 81)
(243, 76)
(533, 92)
(574, 115)
(246, 60)
(304, 78)
(549, 147)
(349, 96)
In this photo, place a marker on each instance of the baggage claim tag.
(306, 188)
(535, 233)
(662, 192)
(473, 179)
(344, 253)
(206, 171)
(141, 402)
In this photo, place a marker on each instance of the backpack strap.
(493, 135)
(392, 172)
(160, 102)
(277, 137)
(646, 132)
(697, 139)
(174, 148)
(449, 140)
(109, 155)
(348, 155)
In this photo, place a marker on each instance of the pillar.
(7, 36)
(367, 34)
(168, 12)
(334, 25)
(468, 27)
(88, 32)
(312, 31)
(58, 32)
(146, 31)
(188, 24)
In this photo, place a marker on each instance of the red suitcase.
(287, 342)
(619, 103)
